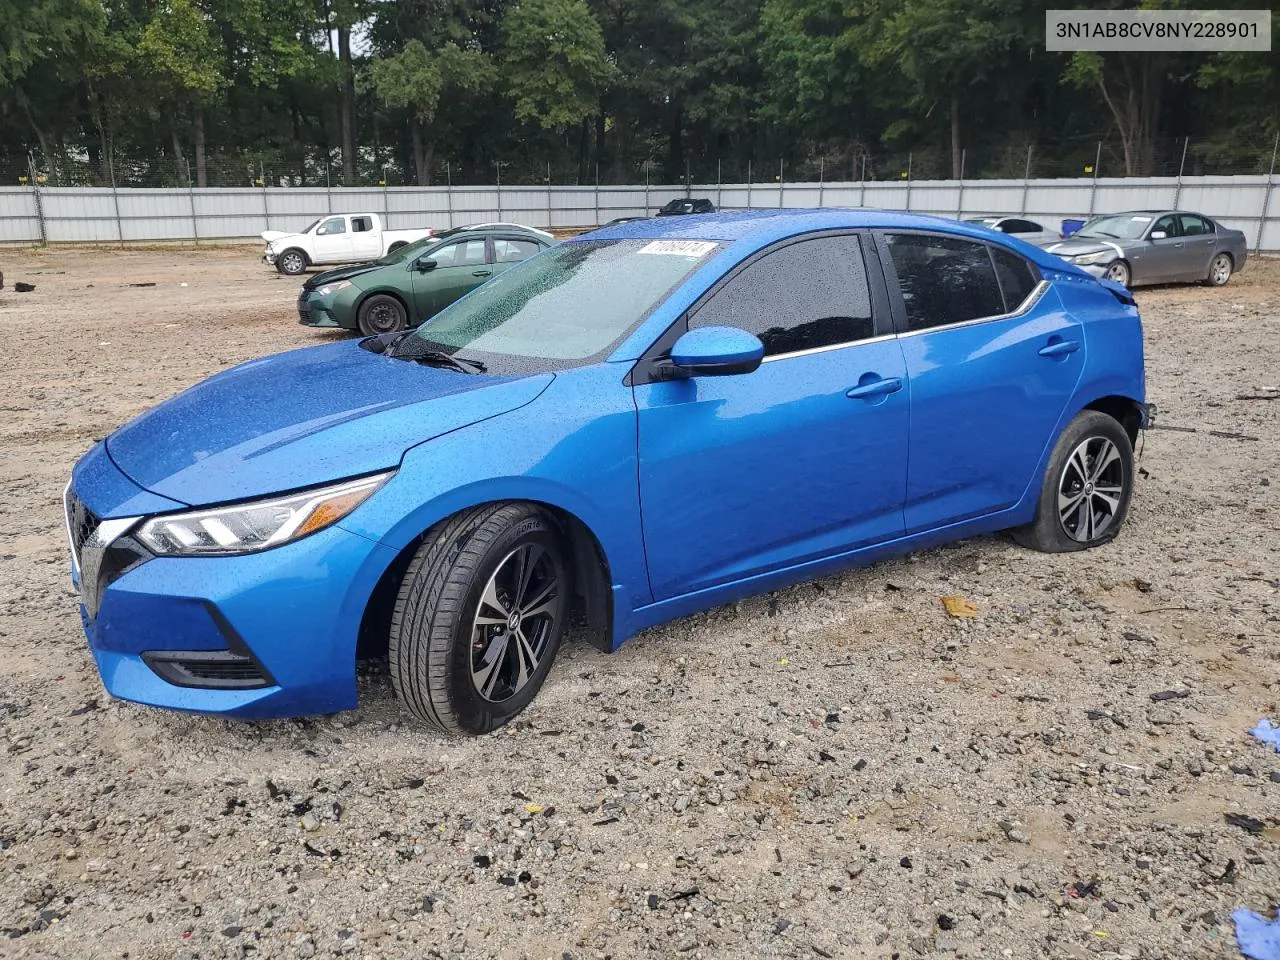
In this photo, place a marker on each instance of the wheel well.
(298, 250)
(1122, 409)
(395, 246)
(590, 570)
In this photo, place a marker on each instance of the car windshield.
(309, 226)
(411, 250)
(1123, 226)
(562, 308)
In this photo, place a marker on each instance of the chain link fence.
(1052, 158)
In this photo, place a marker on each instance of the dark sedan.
(1155, 246)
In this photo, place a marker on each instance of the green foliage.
(554, 61)
(631, 88)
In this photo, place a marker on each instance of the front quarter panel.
(573, 448)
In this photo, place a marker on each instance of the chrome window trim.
(828, 348)
(1032, 299)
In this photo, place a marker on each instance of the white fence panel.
(98, 214)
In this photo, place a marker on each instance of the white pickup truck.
(339, 238)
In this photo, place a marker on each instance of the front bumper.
(269, 257)
(315, 313)
(258, 636)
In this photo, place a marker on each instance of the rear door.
(801, 459)
(332, 241)
(508, 251)
(992, 363)
(366, 239)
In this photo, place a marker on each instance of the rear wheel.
(1119, 272)
(1087, 485)
(381, 314)
(479, 617)
(1220, 270)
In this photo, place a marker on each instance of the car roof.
(753, 229)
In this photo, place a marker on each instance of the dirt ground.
(836, 770)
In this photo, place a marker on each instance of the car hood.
(273, 235)
(1078, 247)
(340, 273)
(302, 418)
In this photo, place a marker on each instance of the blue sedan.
(643, 422)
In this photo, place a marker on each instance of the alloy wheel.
(1119, 273)
(1090, 489)
(1220, 272)
(514, 621)
(292, 263)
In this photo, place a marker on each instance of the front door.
(992, 364)
(333, 242)
(803, 458)
(1163, 259)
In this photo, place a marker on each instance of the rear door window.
(513, 251)
(1017, 277)
(944, 280)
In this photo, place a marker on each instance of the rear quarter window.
(1017, 277)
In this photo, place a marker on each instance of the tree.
(179, 51)
(414, 79)
(554, 62)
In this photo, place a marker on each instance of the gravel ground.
(836, 770)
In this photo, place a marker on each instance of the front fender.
(574, 448)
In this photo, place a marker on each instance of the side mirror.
(1158, 235)
(717, 351)
(425, 265)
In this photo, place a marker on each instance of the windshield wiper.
(434, 358)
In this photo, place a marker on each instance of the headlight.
(248, 527)
(331, 288)
(1087, 258)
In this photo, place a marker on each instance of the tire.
(454, 649)
(292, 262)
(1119, 272)
(381, 314)
(1092, 436)
(1220, 269)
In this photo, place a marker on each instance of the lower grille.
(81, 522)
(210, 669)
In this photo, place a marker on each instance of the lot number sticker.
(679, 248)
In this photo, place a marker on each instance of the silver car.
(1031, 231)
(1155, 246)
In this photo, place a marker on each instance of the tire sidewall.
(362, 316)
(1087, 424)
(474, 713)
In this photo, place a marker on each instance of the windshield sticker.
(1139, 219)
(692, 249)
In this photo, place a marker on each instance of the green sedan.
(416, 281)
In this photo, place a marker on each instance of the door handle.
(1060, 348)
(876, 388)
(482, 273)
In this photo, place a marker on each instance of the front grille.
(211, 669)
(81, 522)
(304, 309)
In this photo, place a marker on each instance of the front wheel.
(479, 617)
(1119, 272)
(1087, 485)
(291, 262)
(1220, 270)
(381, 314)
